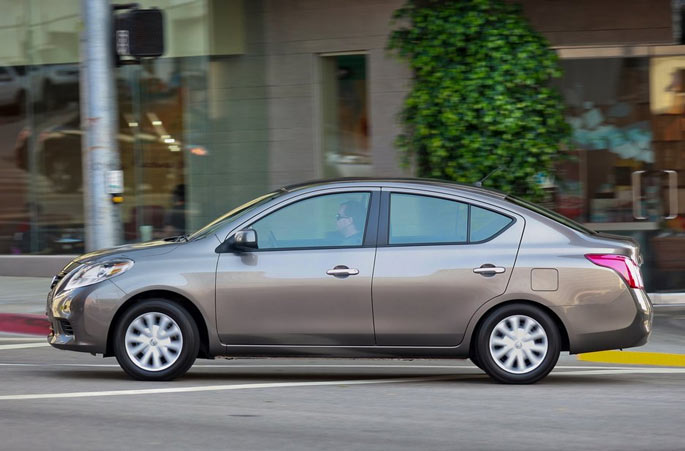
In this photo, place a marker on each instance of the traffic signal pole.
(99, 122)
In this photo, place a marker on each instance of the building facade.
(252, 95)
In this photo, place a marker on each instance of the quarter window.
(331, 220)
(426, 220)
(486, 223)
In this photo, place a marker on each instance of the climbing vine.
(481, 97)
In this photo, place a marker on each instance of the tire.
(506, 351)
(476, 360)
(146, 353)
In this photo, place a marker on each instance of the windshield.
(551, 215)
(218, 223)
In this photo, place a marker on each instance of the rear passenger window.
(486, 223)
(426, 220)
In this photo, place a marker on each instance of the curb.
(634, 358)
(16, 323)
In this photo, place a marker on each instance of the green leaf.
(481, 96)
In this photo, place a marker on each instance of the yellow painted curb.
(634, 358)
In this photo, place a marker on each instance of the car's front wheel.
(518, 344)
(157, 340)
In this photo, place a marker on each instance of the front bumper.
(80, 318)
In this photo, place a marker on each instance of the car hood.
(133, 251)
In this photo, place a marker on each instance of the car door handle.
(342, 271)
(489, 270)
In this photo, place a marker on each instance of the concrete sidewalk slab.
(23, 294)
(33, 265)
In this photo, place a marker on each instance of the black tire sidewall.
(475, 359)
(486, 360)
(189, 330)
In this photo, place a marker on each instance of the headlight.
(97, 272)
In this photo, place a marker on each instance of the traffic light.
(138, 33)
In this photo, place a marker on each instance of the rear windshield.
(551, 215)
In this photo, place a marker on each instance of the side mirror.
(245, 239)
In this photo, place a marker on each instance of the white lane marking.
(22, 339)
(589, 371)
(221, 388)
(24, 345)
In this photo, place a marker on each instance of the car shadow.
(229, 376)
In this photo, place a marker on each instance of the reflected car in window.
(12, 91)
(360, 268)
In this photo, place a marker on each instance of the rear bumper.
(635, 333)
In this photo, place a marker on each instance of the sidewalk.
(22, 306)
(23, 294)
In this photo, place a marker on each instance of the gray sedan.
(360, 268)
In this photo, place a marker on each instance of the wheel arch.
(181, 300)
(563, 332)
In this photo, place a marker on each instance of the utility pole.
(99, 121)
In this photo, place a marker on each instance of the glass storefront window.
(152, 148)
(345, 134)
(42, 202)
(160, 104)
(15, 204)
(628, 156)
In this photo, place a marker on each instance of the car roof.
(396, 182)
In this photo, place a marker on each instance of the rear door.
(439, 258)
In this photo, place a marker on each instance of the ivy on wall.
(481, 97)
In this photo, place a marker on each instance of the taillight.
(623, 265)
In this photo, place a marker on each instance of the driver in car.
(349, 221)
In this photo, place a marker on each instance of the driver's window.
(331, 220)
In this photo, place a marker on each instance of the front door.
(438, 260)
(309, 281)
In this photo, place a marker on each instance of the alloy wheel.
(518, 344)
(153, 341)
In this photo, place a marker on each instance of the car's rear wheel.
(475, 359)
(156, 340)
(518, 344)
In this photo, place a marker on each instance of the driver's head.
(350, 218)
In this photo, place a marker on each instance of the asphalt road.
(51, 399)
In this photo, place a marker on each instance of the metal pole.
(99, 121)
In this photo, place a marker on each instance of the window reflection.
(608, 109)
(15, 205)
(628, 120)
(40, 127)
(152, 149)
